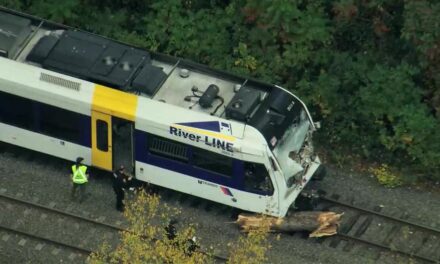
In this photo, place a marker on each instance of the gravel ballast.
(45, 180)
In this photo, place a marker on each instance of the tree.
(147, 240)
(251, 247)
(422, 29)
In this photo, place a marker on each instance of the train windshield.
(291, 149)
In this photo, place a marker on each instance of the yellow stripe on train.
(113, 102)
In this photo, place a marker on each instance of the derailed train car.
(173, 122)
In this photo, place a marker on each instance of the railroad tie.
(22, 242)
(39, 246)
(72, 256)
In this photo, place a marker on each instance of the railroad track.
(67, 236)
(26, 155)
(69, 242)
(372, 228)
(178, 198)
(360, 228)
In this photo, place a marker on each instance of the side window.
(60, 123)
(102, 135)
(212, 161)
(257, 179)
(167, 148)
(16, 111)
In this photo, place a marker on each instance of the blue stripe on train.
(142, 155)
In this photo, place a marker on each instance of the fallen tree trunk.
(319, 223)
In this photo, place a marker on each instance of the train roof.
(153, 116)
(162, 78)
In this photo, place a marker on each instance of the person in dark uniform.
(190, 245)
(171, 230)
(121, 181)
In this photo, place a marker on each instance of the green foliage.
(104, 21)
(252, 247)
(386, 177)
(243, 59)
(422, 25)
(12, 4)
(146, 240)
(62, 12)
(286, 37)
(188, 33)
(422, 29)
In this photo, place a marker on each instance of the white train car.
(173, 122)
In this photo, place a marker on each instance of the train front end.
(287, 126)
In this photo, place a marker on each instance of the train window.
(16, 111)
(257, 179)
(212, 161)
(60, 123)
(167, 148)
(102, 135)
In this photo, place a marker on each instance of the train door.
(123, 143)
(102, 141)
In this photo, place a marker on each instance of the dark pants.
(119, 198)
(80, 189)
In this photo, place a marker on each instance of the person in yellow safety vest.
(80, 178)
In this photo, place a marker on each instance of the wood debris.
(318, 223)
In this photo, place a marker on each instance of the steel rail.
(395, 219)
(381, 246)
(47, 240)
(420, 226)
(46, 208)
(53, 210)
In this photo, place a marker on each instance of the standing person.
(191, 246)
(171, 230)
(120, 182)
(80, 178)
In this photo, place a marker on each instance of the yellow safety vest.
(79, 175)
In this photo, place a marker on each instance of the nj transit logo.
(213, 133)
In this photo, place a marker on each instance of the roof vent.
(108, 60)
(126, 66)
(60, 81)
(184, 73)
(237, 88)
(243, 104)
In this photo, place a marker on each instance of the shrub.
(386, 177)
(146, 240)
